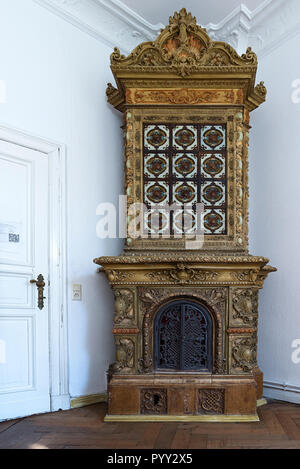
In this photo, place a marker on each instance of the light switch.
(76, 292)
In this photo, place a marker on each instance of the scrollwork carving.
(260, 89)
(244, 306)
(182, 274)
(124, 307)
(115, 276)
(183, 96)
(114, 96)
(124, 355)
(250, 56)
(243, 354)
(246, 276)
(211, 401)
(154, 401)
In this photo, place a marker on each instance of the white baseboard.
(282, 392)
(61, 402)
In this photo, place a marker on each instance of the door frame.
(58, 333)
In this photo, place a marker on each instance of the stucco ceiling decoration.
(113, 23)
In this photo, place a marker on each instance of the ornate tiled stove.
(185, 319)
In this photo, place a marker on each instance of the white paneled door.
(24, 350)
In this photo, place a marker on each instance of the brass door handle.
(40, 283)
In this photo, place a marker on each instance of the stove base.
(182, 397)
(182, 418)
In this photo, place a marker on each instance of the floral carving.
(217, 58)
(244, 306)
(246, 276)
(182, 274)
(243, 354)
(124, 307)
(115, 276)
(124, 355)
(183, 96)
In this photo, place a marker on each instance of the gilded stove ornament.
(185, 320)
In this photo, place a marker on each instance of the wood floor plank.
(197, 442)
(290, 427)
(7, 423)
(148, 433)
(279, 428)
(181, 439)
(165, 436)
(269, 417)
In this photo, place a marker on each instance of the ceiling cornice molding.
(274, 24)
(109, 21)
(113, 23)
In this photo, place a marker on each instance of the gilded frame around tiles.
(236, 238)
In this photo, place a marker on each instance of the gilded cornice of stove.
(219, 270)
(184, 50)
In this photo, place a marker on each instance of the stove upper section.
(186, 101)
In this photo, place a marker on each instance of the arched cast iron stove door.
(183, 337)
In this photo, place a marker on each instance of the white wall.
(56, 77)
(275, 217)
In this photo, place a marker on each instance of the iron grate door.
(183, 337)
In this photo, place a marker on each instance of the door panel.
(24, 354)
(183, 337)
(15, 290)
(17, 375)
(16, 209)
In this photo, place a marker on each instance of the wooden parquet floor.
(84, 428)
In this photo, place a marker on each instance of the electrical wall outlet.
(76, 292)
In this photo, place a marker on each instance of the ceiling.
(208, 11)
(261, 24)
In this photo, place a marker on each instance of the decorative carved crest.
(183, 50)
(182, 47)
(182, 274)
